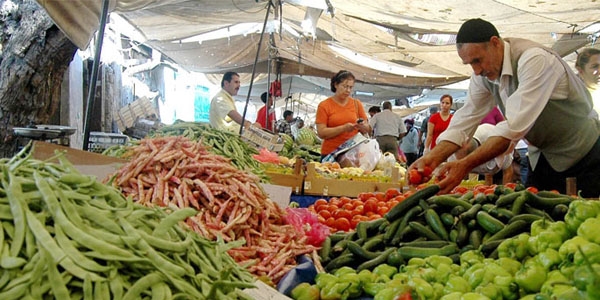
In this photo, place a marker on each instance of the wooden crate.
(294, 180)
(319, 186)
(260, 138)
(141, 108)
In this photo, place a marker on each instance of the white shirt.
(541, 77)
(493, 166)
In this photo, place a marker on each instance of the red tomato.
(325, 214)
(374, 217)
(460, 190)
(380, 196)
(365, 196)
(357, 202)
(342, 224)
(348, 206)
(359, 210)
(414, 177)
(391, 193)
(404, 296)
(330, 222)
(335, 201)
(319, 203)
(371, 205)
(511, 185)
(332, 208)
(393, 202)
(345, 200)
(427, 171)
(341, 213)
(532, 189)
(382, 210)
(355, 220)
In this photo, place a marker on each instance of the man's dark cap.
(476, 31)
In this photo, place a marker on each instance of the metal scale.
(55, 134)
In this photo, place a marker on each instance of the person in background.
(502, 162)
(588, 68)
(410, 141)
(521, 148)
(223, 114)
(374, 110)
(423, 129)
(494, 117)
(285, 125)
(543, 101)
(261, 115)
(298, 124)
(438, 122)
(340, 116)
(388, 128)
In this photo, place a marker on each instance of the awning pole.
(94, 76)
(262, 33)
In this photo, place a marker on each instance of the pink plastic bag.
(305, 221)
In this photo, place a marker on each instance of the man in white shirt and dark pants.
(543, 101)
(388, 129)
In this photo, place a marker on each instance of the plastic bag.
(305, 221)
(386, 163)
(365, 156)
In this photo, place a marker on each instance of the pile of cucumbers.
(426, 224)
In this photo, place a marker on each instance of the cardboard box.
(88, 163)
(262, 139)
(319, 186)
(278, 194)
(295, 180)
(264, 292)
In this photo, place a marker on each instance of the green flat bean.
(72, 252)
(88, 289)
(57, 254)
(15, 198)
(172, 219)
(58, 286)
(161, 291)
(15, 292)
(5, 212)
(11, 262)
(101, 290)
(159, 262)
(143, 284)
(164, 244)
(116, 285)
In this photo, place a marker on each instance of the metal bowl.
(34, 133)
(65, 130)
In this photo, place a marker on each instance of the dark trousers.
(587, 172)
(410, 158)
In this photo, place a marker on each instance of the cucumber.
(462, 235)
(424, 231)
(475, 238)
(426, 244)
(445, 200)
(447, 219)
(434, 221)
(359, 252)
(325, 250)
(507, 199)
(509, 230)
(381, 259)
(340, 261)
(529, 218)
(399, 209)
(374, 242)
(409, 252)
(489, 223)
(471, 213)
(399, 234)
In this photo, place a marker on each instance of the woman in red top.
(338, 116)
(438, 122)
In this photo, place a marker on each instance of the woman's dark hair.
(584, 57)
(339, 77)
(447, 96)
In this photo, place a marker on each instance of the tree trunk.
(34, 55)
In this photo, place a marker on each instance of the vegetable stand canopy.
(403, 44)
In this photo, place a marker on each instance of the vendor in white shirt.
(502, 162)
(542, 100)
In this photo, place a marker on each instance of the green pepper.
(386, 294)
(373, 288)
(366, 276)
(579, 211)
(323, 279)
(305, 291)
(555, 282)
(437, 260)
(489, 290)
(344, 270)
(515, 247)
(355, 287)
(589, 230)
(531, 277)
(473, 296)
(470, 257)
(544, 240)
(452, 296)
(474, 275)
(568, 249)
(591, 252)
(572, 294)
(583, 276)
(333, 291)
(385, 269)
(456, 283)
(509, 264)
(507, 286)
(548, 258)
(542, 225)
(422, 287)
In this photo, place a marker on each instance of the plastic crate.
(100, 141)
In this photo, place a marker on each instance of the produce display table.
(314, 184)
(294, 180)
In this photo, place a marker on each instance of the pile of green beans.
(64, 235)
(220, 142)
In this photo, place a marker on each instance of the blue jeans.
(524, 161)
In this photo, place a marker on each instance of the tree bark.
(34, 55)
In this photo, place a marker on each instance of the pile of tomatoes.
(344, 213)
